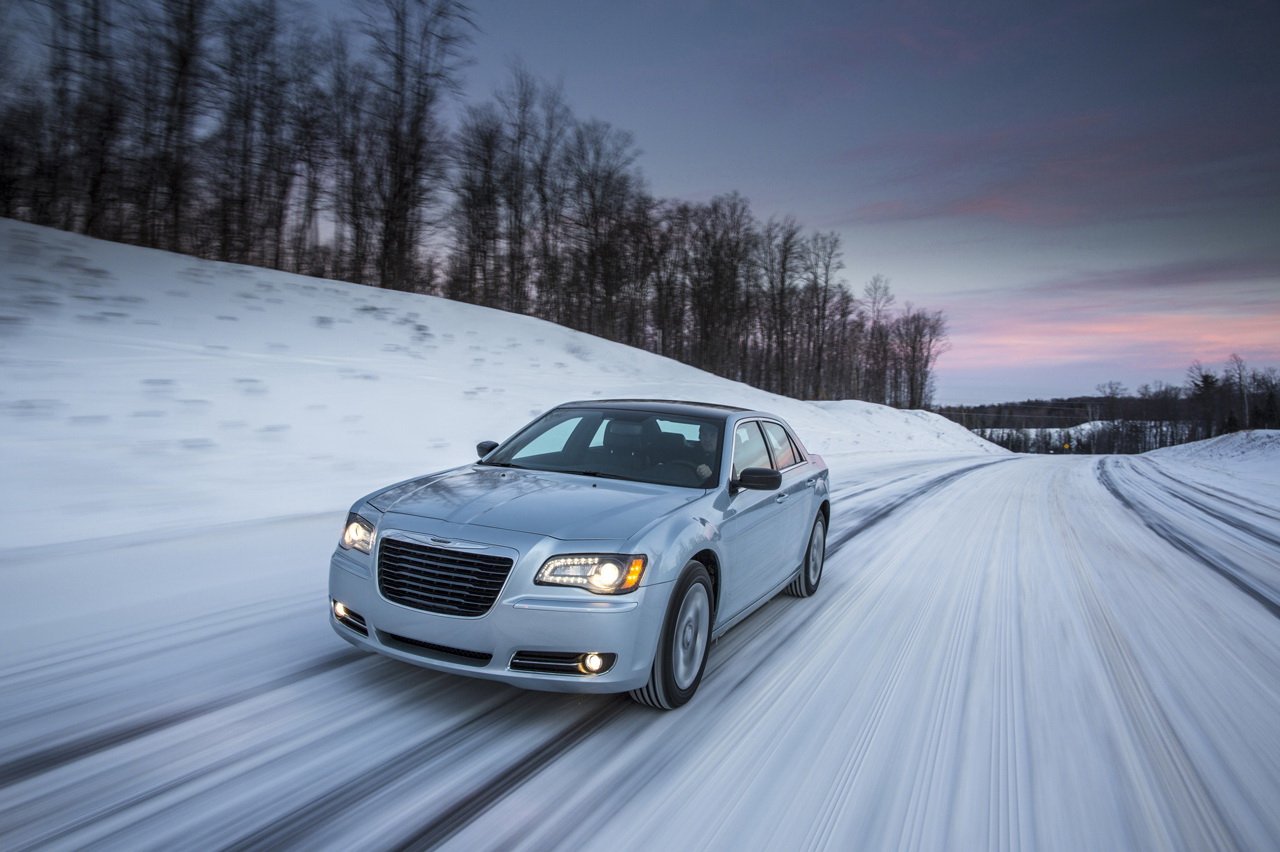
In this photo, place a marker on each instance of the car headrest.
(623, 435)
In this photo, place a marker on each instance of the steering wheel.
(697, 472)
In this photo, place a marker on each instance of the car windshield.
(642, 446)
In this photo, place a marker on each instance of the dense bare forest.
(1158, 415)
(236, 130)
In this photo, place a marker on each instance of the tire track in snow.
(482, 796)
(890, 679)
(1203, 554)
(114, 650)
(875, 516)
(1009, 816)
(840, 496)
(843, 537)
(311, 817)
(77, 748)
(1187, 801)
(931, 780)
(143, 804)
(1233, 521)
(1212, 492)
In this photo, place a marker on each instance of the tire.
(684, 645)
(815, 556)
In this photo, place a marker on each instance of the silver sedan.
(600, 549)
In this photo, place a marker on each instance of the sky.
(1089, 191)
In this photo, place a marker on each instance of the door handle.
(809, 482)
(779, 498)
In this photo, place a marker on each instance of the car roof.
(664, 406)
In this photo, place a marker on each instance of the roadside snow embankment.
(1252, 447)
(143, 391)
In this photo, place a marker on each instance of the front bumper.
(525, 618)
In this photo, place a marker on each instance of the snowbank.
(1254, 446)
(142, 390)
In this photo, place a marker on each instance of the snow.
(1253, 447)
(1006, 652)
(144, 390)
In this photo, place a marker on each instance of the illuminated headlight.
(357, 534)
(604, 573)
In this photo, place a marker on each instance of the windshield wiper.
(503, 464)
(600, 474)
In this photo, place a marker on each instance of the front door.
(754, 530)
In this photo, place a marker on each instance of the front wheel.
(806, 582)
(682, 651)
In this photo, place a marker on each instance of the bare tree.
(878, 351)
(182, 29)
(720, 279)
(476, 273)
(1238, 374)
(519, 105)
(920, 338)
(348, 88)
(98, 114)
(778, 259)
(822, 263)
(601, 183)
(416, 44)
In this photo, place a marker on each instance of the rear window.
(783, 448)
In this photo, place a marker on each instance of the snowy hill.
(142, 390)
(1251, 447)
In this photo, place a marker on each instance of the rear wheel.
(682, 651)
(806, 582)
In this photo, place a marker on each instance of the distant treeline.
(1117, 421)
(234, 130)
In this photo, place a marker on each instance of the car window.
(551, 441)
(635, 444)
(688, 431)
(748, 448)
(784, 451)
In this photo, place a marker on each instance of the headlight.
(602, 573)
(357, 534)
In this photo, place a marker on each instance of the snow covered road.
(1007, 652)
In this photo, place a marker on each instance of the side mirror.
(758, 479)
(485, 447)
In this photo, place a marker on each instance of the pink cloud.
(1151, 340)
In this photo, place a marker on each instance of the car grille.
(436, 579)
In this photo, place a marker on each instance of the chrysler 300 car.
(600, 549)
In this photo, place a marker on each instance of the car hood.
(562, 506)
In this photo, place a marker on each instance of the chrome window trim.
(803, 459)
(795, 445)
(733, 442)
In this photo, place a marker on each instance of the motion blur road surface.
(1021, 653)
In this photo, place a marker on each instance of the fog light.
(592, 662)
(340, 610)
